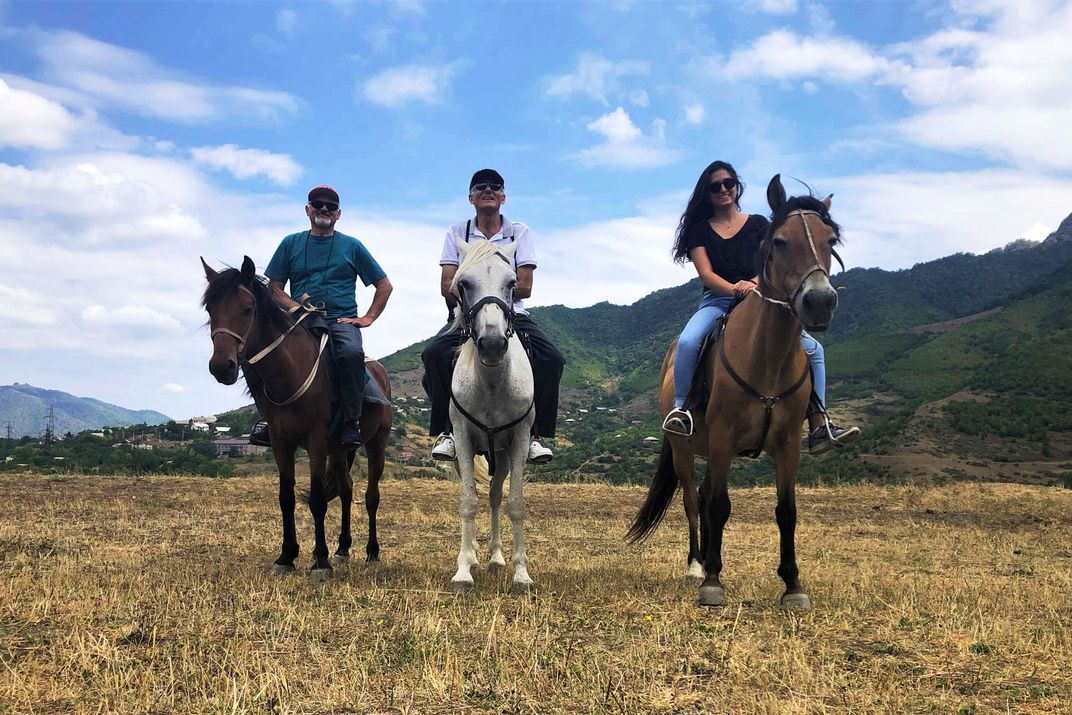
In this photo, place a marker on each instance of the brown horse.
(760, 386)
(280, 360)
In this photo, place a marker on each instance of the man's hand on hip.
(363, 322)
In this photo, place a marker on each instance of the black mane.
(230, 280)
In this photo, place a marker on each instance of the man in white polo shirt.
(487, 194)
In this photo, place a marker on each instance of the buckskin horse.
(281, 360)
(491, 407)
(760, 387)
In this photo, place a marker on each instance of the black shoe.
(351, 435)
(260, 436)
(821, 439)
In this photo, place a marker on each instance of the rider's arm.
(445, 279)
(379, 302)
(710, 279)
(279, 294)
(523, 287)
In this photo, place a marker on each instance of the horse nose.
(492, 345)
(820, 302)
(225, 371)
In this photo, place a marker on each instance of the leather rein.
(273, 345)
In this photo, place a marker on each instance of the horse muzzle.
(815, 306)
(492, 348)
(225, 370)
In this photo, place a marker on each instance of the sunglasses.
(728, 184)
(329, 205)
(482, 187)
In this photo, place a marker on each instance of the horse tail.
(480, 471)
(660, 493)
(330, 484)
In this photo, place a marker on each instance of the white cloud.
(783, 55)
(30, 120)
(413, 83)
(639, 98)
(625, 146)
(778, 7)
(286, 20)
(595, 77)
(173, 388)
(130, 316)
(694, 113)
(113, 76)
(245, 163)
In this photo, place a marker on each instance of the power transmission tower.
(50, 430)
(9, 429)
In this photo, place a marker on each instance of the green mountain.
(25, 408)
(955, 367)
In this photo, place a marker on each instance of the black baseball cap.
(486, 176)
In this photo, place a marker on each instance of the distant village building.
(650, 440)
(199, 426)
(237, 448)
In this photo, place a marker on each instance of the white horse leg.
(516, 506)
(463, 579)
(495, 496)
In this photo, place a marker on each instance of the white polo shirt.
(511, 232)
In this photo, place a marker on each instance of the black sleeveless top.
(733, 259)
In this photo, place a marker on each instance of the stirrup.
(678, 416)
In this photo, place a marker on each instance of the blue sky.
(135, 137)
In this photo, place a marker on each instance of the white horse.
(491, 406)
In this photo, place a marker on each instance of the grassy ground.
(155, 595)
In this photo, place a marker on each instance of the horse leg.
(318, 507)
(339, 467)
(684, 464)
(497, 561)
(463, 578)
(786, 462)
(284, 462)
(516, 507)
(715, 513)
(375, 450)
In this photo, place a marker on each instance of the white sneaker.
(678, 422)
(538, 454)
(443, 449)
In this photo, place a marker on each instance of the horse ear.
(827, 201)
(209, 273)
(775, 193)
(462, 246)
(249, 269)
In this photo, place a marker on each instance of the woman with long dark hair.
(721, 242)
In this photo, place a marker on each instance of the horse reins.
(274, 344)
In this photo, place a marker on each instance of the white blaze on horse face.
(816, 300)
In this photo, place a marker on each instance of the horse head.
(796, 255)
(231, 302)
(484, 285)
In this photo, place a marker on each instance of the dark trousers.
(349, 367)
(547, 363)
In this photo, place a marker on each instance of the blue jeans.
(712, 307)
(349, 367)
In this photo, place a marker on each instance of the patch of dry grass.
(155, 595)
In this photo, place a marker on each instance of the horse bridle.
(274, 344)
(469, 316)
(791, 299)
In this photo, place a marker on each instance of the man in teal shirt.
(326, 264)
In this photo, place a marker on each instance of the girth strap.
(768, 402)
(490, 431)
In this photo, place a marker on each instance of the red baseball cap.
(324, 192)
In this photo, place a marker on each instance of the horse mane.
(478, 253)
(794, 203)
(230, 280)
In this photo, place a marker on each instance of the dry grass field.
(156, 595)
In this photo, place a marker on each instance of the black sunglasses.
(716, 186)
(482, 187)
(329, 205)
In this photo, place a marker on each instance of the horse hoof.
(320, 575)
(712, 596)
(495, 566)
(338, 559)
(282, 569)
(797, 600)
(461, 586)
(520, 588)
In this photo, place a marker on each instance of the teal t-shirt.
(327, 268)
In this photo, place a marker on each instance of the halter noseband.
(791, 299)
(240, 338)
(469, 316)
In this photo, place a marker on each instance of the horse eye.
(779, 242)
(834, 240)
